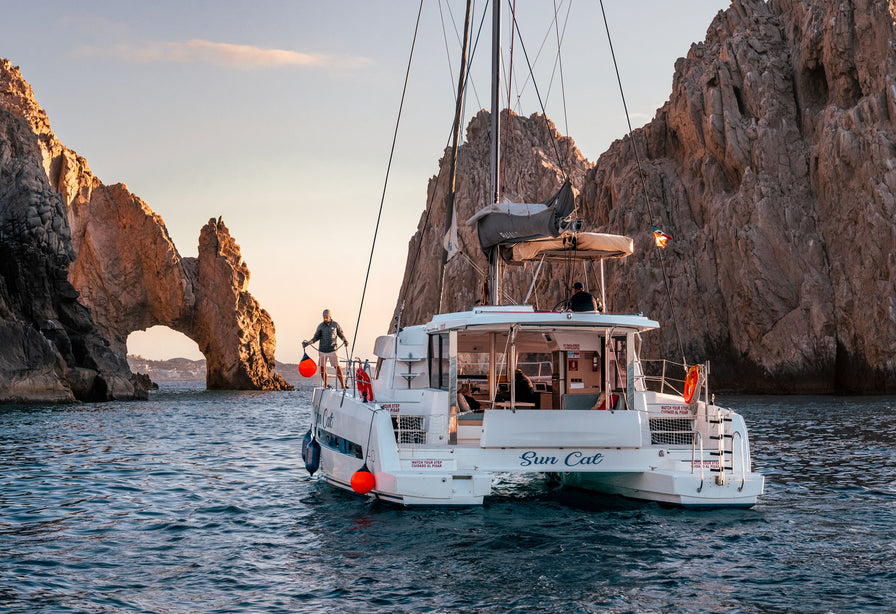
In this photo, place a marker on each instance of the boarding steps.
(723, 434)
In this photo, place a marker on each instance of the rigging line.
(507, 296)
(560, 161)
(467, 79)
(379, 214)
(544, 41)
(508, 120)
(473, 53)
(631, 137)
(409, 275)
(457, 36)
(445, 38)
(560, 61)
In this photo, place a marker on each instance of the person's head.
(326, 315)
(578, 286)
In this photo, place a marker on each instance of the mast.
(452, 173)
(495, 268)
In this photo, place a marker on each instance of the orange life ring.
(690, 383)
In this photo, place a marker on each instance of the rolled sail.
(504, 223)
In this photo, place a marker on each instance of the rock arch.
(131, 276)
(88, 264)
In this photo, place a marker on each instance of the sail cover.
(504, 223)
(569, 246)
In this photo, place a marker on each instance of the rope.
(544, 115)
(560, 60)
(410, 274)
(379, 214)
(631, 137)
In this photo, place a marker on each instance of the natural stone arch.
(148, 344)
(84, 265)
(131, 277)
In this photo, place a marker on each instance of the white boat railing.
(698, 438)
(743, 459)
(659, 383)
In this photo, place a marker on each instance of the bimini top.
(569, 246)
(501, 317)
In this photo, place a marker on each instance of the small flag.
(660, 237)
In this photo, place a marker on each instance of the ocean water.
(198, 501)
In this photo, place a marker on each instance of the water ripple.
(197, 501)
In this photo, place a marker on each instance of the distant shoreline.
(186, 370)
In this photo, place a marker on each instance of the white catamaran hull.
(454, 403)
(447, 461)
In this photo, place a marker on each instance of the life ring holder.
(691, 382)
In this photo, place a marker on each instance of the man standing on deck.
(581, 300)
(327, 333)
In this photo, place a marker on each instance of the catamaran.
(452, 404)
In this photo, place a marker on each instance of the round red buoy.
(363, 481)
(307, 368)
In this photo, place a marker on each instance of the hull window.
(340, 444)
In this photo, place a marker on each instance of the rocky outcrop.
(537, 159)
(117, 266)
(773, 166)
(50, 348)
(233, 332)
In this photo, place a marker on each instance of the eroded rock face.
(233, 332)
(50, 348)
(773, 166)
(533, 174)
(117, 267)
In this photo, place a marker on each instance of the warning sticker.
(426, 463)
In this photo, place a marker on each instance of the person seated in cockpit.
(581, 300)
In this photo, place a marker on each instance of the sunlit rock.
(83, 265)
(773, 167)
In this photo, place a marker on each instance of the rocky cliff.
(773, 166)
(85, 264)
(538, 159)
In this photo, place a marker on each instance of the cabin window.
(438, 361)
(618, 358)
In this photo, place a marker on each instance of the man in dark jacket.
(328, 333)
(581, 300)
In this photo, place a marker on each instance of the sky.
(278, 116)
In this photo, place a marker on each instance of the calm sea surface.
(198, 502)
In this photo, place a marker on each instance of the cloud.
(245, 57)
